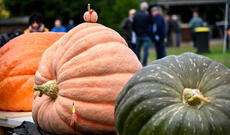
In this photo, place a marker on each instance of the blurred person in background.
(127, 30)
(70, 25)
(142, 24)
(36, 23)
(159, 31)
(58, 26)
(195, 22)
(176, 29)
(168, 29)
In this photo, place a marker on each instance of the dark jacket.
(142, 24)
(176, 26)
(159, 27)
(126, 29)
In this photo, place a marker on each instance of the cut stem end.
(49, 88)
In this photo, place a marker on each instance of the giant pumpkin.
(88, 67)
(19, 60)
(177, 95)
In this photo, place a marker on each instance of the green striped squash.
(187, 94)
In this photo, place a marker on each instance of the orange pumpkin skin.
(19, 60)
(90, 16)
(91, 64)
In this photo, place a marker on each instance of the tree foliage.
(3, 12)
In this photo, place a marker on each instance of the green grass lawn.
(216, 53)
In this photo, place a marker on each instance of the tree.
(3, 12)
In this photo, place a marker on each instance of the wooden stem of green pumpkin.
(50, 88)
(199, 97)
(193, 97)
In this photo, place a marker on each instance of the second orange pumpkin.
(19, 60)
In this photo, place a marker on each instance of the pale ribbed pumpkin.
(19, 60)
(88, 67)
(177, 95)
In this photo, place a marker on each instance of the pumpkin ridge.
(141, 105)
(173, 72)
(59, 116)
(133, 81)
(148, 122)
(82, 41)
(82, 33)
(202, 77)
(210, 89)
(211, 120)
(222, 111)
(72, 38)
(80, 118)
(86, 102)
(84, 75)
(99, 76)
(85, 52)
(84, 115)
(4, 50)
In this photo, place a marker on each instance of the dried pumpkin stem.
(50, 88)
(88, 7)
(199, 97)
(194, 97)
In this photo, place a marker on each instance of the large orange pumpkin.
(88, 67)
(19, 60)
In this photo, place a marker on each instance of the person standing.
(158, 32)
(176, 29)
(168, 29)
(58, 26)
(195, 22)
(36, 23)
(142, 24)
(127, 30)
(70, 25)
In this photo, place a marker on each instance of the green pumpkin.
(177, 95)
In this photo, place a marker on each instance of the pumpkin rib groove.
(40, 111)
(223, 112)
(216, 125)
(157, 117)
(134, 81)
(202, 79)
(81, 117)
(93, 103)
(59, 116)
(42, 79)
(88, 75)
(13, 77)
(142, 105)
(91, 38)
(88, 102)
(129, 87)
(173, 72)
(212, 92)
(65, 65)
(123, 104)
(81, 42)
(80, 34)
(96, 76)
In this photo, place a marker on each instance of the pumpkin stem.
(50, 88)
(194, 97)
(88, 7)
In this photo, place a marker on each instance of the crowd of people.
(36, 24)
(147, 27)
(150, 27)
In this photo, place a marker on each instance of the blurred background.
(14, 15)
